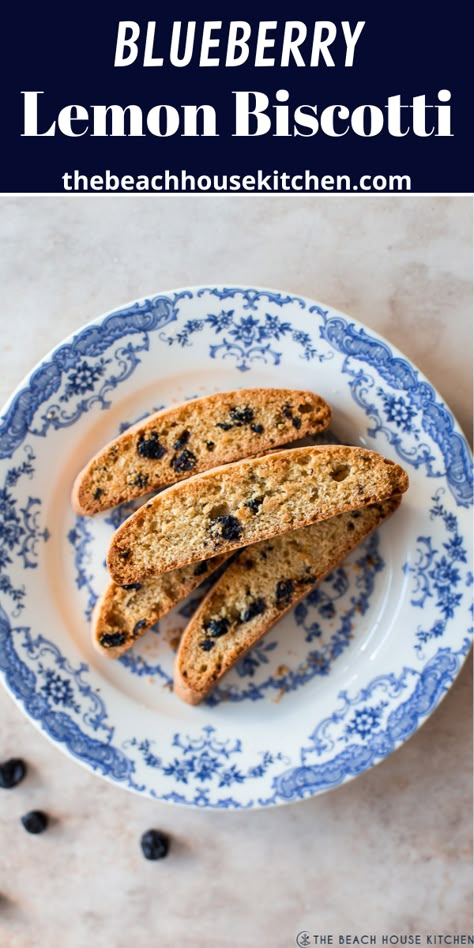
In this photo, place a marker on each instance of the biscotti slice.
(241, 503)
(124, 613)
(260, 585)
(173, 444)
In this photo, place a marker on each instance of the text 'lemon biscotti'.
(260, 585)
(241, 503)
(124, 613)
(183, 440)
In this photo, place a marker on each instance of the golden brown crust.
(212, 512)
(180, 441)
(262, 583)
(122, 615)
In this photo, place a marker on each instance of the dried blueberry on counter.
(12, 772)
(35, 821)
(155, 844)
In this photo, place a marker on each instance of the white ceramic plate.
(344, 678)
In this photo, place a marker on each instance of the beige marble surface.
(389, 852)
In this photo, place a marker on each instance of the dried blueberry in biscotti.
(206, 645)
(254, 504)
(250, 602)
(151, 447)
(237, 418)
(228, 527)
(186, 439)
(288, 413)
(182, 440)
(217, 627)
(256, 608)
(184, 461)
(284, 590)
(112, 639)
(140, 481)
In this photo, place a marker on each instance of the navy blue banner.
(139, 97)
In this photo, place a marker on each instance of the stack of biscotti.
(169, 446)
(292, 514)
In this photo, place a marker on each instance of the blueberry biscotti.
(183, 440)
(124, 613)
(247, 501)
(259, 586)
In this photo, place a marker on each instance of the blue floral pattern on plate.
(404, 597)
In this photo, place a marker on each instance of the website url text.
(273, 182)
